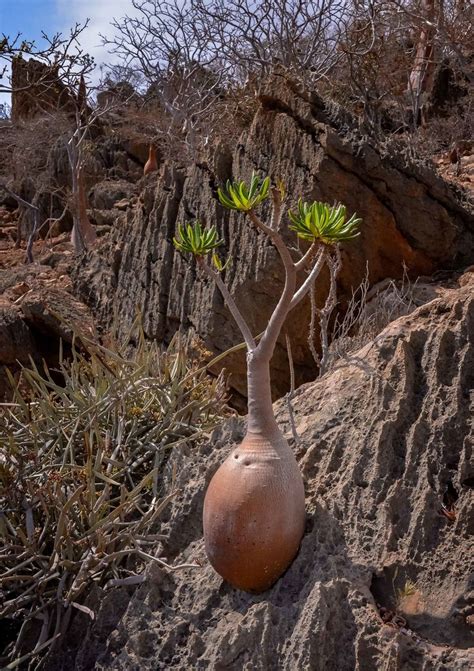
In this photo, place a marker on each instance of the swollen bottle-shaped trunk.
(151, 165)
(254, 511)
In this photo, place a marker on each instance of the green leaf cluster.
(194, 239)
(239, 196)
(323, 222)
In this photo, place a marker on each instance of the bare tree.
(296, 37)
(179, 62)
(393, 50)
(61, 58)
(423, 65)
(196, 54)
(53, 80)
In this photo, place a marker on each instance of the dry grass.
(368, 313)
(82, 454)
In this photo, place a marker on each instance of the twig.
(289, 396)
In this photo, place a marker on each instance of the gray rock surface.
(409, 214)
(16, 339)
(383, 579)
(37, 310)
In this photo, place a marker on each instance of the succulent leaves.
(315, 222)
(323, 222)
(218, 265)
(238, 196)
(196, 240)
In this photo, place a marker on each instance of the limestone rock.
(38, 89)
(111, 193)
(16, 338)
(409, 215)
(382, 579)
(36, 311)
(57, 313)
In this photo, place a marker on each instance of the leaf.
(196, 240)
(238, 196)
(218, 263)
(321, 222)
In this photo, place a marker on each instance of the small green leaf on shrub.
(196, 240)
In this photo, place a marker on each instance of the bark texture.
(254, 513)
(380, 455)
(409, 215)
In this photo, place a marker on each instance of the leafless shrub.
(324, 314)
(368, 312)
(183, 71)
(60, 53)
(57, 92)
(257, 39)
(393, 50)
(203, 60)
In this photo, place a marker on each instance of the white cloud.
(100, 14)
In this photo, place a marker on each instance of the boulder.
(111, 193)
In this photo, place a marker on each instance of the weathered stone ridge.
(38, 90)
(409, 216)
(383, 578)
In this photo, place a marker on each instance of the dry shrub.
(369, 311)
(81, 463)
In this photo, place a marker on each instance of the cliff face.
(409, 216)
(383, 579)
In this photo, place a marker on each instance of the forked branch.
(231, 304)
(322, 225)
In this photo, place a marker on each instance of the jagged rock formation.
(38, 89)
(409, 216)
(383, 579)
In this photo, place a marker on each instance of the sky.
(30, 17)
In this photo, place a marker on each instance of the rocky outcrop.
(37, 310)
(38, 89)
(383, 579)
(410, 216)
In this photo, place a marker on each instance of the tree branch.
(281, 310)
(305, 287)
(307, 258)
(237, 315)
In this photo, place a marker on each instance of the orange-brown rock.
(410, 215)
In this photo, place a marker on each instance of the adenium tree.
(254, 510)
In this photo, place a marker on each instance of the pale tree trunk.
(254, 509)
(421, 77)
(83, 234)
